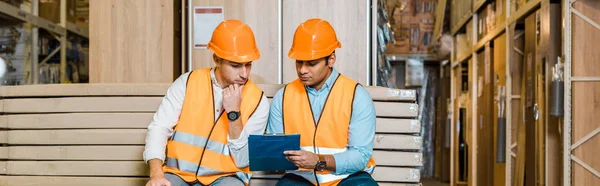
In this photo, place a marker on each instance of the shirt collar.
(213, 78)
(329, 82)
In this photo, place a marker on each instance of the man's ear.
(331, 60)
(217, 60)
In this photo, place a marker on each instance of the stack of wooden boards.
(94, 134)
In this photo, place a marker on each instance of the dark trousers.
(356, 179)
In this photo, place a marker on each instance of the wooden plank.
(395, 174)
(3, 121)
(77, 120)
(3, 152)
(114, 181)
(70, 181)
(138, 136)
(489, 37)
(390, 125)
(82, 104)
(134, 153)
(3, 137)
(142, 120)
(159, 89)
(3, 167)
(398, 142)
(77, 168)
(139, 168)
(78, 136)
(383, 174)
(389, 94)
(100, 89)
(119, 153)
(391, 109)
(395, 158)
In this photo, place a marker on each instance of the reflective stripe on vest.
(330, 136)
(198, 149)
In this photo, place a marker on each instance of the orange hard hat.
(313, 39)
(234, 41)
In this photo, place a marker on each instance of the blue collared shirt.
(362, 124)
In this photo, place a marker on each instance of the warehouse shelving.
(60, 31)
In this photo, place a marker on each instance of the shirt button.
(217, 110)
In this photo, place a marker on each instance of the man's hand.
(302, 158)
(158, 181)
(157, 177)
(232, 97)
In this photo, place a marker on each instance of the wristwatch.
(321, 164)
(233, 115)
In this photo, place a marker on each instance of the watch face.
(232, 116)
(321, 165)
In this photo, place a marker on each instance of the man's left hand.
(232, 97)
(302, 158)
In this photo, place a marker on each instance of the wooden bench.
(94, 134)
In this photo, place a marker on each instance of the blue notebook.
(266, 151)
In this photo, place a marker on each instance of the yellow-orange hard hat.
(234, 41)
(313, 39)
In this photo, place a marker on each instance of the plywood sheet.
(133, 41)
(70, 181)
(348, 20)
(586, 114)
(255, 13)
(585, 56)
(77, 120)
(81, 104)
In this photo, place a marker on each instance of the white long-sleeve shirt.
(167, 116)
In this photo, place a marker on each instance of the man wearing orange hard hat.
(205, 118)
(333, 114)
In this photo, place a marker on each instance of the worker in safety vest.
(333, 114)
(205, 118)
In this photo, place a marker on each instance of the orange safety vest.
(189, 154)
(330, 134)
